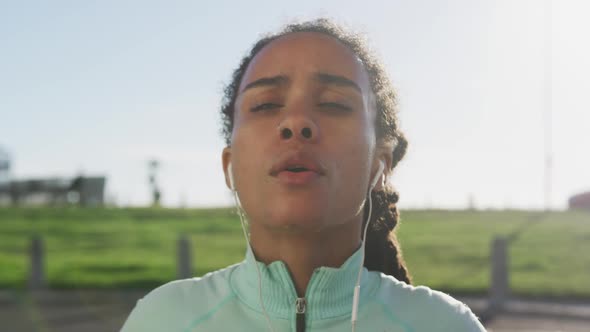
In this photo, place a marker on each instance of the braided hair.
(382, 249)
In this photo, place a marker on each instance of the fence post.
(184, 268)
(500, 287)
(36, 274)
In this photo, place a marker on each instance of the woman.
(312, 139)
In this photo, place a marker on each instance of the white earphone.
(377, 175)
(231, 177)
(373, 182)
(357, 287)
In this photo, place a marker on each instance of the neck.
(303, 251)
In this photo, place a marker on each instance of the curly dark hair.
(382, 250)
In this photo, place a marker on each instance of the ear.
(226, 161)
(384, 153)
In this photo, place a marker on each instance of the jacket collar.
(329, 292)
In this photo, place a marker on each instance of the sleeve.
(448, 314)
(134, 320)
(160, 310)
(463, 320)
(148, 315)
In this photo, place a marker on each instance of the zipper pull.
(300, 306)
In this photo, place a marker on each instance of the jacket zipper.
(300, 305)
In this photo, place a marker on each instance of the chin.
(304, 216)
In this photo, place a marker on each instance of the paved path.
(106, 310)
(521, 315)
(65, 311)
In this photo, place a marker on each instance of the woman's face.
(303, 143)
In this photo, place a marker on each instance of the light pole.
(153, 166)
(548, 105)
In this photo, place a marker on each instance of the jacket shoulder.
(425, 308)
(173, 305)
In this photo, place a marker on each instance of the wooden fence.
(498, 294)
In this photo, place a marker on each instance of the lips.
(297, 168)
(296, 162)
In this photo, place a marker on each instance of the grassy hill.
(136, 248)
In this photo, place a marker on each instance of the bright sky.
(101, 87)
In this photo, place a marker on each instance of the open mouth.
(297, 169)
(297, 175)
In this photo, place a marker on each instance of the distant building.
(580, 201)
(84, 191)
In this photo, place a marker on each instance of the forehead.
(302, 54)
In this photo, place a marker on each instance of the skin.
(318, 223)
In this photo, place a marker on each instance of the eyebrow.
(337, 80)
(324, 78)
(267, 82)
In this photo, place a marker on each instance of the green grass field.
(136, 248)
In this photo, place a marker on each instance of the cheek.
(249, 150)
(247, 161)
(351, 160)
(354, 141)
(353, 171)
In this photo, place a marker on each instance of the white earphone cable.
(357, 287)
(356, 295)
(243, 223)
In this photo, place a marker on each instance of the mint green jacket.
(228, 300)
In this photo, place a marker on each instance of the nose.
(299, 127)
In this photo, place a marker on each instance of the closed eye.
(338, 106)
(265, 107)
